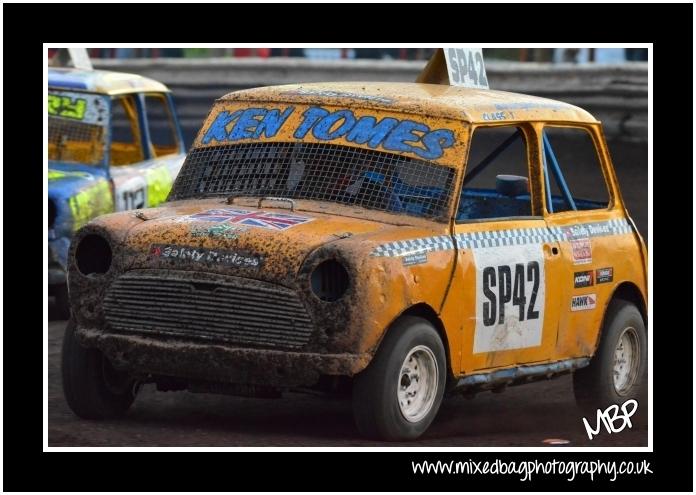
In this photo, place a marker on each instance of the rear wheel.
(618, 371)
(93, 388)
(398, 395)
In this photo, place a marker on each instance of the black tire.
(595, 386)
(92, 387)
(375, 402)
(62, 302)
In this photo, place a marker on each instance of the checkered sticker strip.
(616, 226)
(412, 246)
(510, 237)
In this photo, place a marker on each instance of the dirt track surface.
(522, 416)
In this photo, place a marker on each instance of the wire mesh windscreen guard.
(72, 141)
(317, 171)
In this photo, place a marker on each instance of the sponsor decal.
(387, 133)
(510, 292)
(589, 230)
(224, 231)
(584, 302)
(579, 238)
(583, 279)
(203, 255)
(415, 259)
(605, 275)
(80, 107)
(582, 251)
(263, 219)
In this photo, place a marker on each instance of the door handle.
(552, 250)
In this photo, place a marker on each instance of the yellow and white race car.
(114, 144)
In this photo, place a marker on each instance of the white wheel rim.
(626, 361)
(417, 386)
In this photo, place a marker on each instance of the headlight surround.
(93, 255)
(329, 281)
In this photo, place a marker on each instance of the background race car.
(114, 143)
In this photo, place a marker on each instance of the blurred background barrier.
(611, 86)
(616, 94)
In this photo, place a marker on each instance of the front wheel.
(399, 394)
(618, 370)
(91, 385)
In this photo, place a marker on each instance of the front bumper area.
(219, 363)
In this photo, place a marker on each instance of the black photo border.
(27, 26)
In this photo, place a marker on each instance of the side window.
(496, 183)
(126, 147)
(572, 171)
(161, 126)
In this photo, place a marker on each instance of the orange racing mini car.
(398, 241)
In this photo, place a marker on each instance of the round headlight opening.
(329, 280)
(93, 255)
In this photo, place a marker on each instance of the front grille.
(229, 309)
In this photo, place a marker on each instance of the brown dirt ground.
(521, 416)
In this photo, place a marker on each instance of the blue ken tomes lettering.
(324, 125)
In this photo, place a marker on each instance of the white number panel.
(131, 193)
(509, 297)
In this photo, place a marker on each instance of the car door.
(505, 254)
(582, 209)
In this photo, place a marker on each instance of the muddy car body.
(114, 144)
(325, 234)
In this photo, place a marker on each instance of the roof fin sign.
(457, 67)
(78, 56)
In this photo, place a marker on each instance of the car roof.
(101, 81)
(466, 104)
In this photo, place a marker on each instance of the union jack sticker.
(263, 219)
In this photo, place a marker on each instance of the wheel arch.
(628, 291)
(625, 291)
(425, 311)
